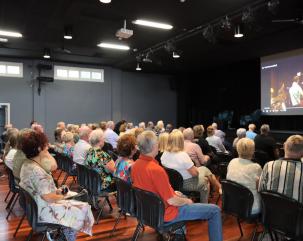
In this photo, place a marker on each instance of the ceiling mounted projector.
(124, 33)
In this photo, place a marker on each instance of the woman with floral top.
(68, 146)
(100, 160)
(126, 149)
(53, 207)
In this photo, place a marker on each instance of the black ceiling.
(42, 24)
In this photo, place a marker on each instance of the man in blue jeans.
(148, 175)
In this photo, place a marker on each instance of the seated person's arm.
(202, 158)
(193, 171)
(179, 201)
(52, 197)
(111, 166)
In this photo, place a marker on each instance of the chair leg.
(19, 225)
(239, 224)
(101, 210)
(10, 201)
(109, 204)
(59, 175)
(9, 192)
(11, 208)
(255, 231)
(262, 236)
(29, 237)
(137, 232)
(116, 223)
(43, 237)
(271, 236)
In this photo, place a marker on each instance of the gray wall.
(123, 95)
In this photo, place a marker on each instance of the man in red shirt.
(148, 175)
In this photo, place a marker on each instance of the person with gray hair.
(285, 175)
(142, 125)
(266, 144)
(100, 160)
(82, 146)
(241, 133)
(148, 175)
(110, 136)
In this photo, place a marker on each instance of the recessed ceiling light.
(176, 55)
(3, 40)
(153, 24)
(138, 68)
(68, 33)
(10, 34)
(46, 53)
(238, 32)
(105, 1)
(114, 46)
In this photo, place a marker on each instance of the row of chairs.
(277, 209)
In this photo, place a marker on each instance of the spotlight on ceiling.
(68, 32)
(273, 6)
(10, 34)
(46, 53)
(247, 16)
(138, 68)
(3, 40)
(147, 57)
(153, 24)
(176, 54)
(113, 46)
(105, 1)
(209, 35)
(225, 23)
(239, 31)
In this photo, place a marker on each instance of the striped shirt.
(283, 176)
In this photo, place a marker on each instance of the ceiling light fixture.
(147, 57)
(153, 24)
(68, 32)
(238, 31)
(176, 54)
(3, 40)
(10, 34)
(46, 54)
(138, 68)
(114, 46)
(105, 1)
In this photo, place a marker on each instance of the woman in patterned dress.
(100, 160)
(73, 215)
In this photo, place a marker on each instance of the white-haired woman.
(244, 171)
(241, 133)
(194, 150)
(68, 146)
(100, 160)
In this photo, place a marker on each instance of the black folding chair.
(95, 191)
(68, 166)
(150, 211)
(237, 201)
(283, 215)
(125, 200)
(14, 189)
(82, 176)
(176, 181)
(31, 211)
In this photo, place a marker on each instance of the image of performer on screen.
(296, 92)
(278, 101)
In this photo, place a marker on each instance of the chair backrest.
(282, 214)
(66, 163)
(11, 181)
(31, 209)
(261, 157)
(237, 200)
(82, 176)
(150, 208)
(94, 181)
(175, 179)
(125, 197)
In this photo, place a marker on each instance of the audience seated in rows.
(285, 176)
(245, 172)
(251, 131)
(162, 145)
(215, 141)
(126, 148)
(199, 139)
(73, 215)
(9, 157)
(241, 133)
(110, 136)
(82, 146)
(194, 178)
(100, 160)
(68, 146)
(148, 175)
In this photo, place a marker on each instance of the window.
(78, 74)
(11, 69)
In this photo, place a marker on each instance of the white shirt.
(246, 173)
(9, 158)
(295, 92)
(80, 151)
(111, 137)
(179, 161)
(216, 142)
